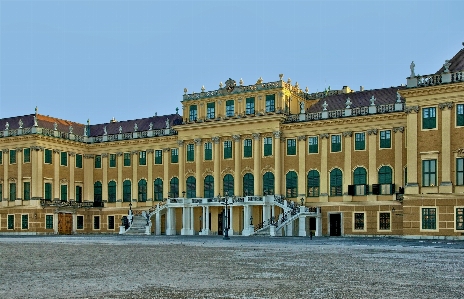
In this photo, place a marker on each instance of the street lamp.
(200, 225)
(183, 194)
(226, 216)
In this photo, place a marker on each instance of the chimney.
(361, 88)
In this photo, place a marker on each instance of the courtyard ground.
(243, 267)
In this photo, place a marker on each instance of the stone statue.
(446, 65)
(302, 107)
(324, 106)
(412, 69)
(136, 127)
(55, 126)
(120, 129)
(104, 131)
(20, 123)
(372, 99)
(35, 121)
(7, 126)
(348, 103)
(151, 126)
(398, 97)
(167, 123)
(70, 129)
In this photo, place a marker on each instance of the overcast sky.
(99, 59)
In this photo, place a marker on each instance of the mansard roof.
(456, 63)
(43, 121)
(383, 96)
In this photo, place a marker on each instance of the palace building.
(266, 158)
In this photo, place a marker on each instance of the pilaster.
(198, 164)
(324, 194)
(257, 164)
(6, 183)
(182, 188)
(278, 163)
(119, 186)
(347, 173)
(135, 185)
(398, 156)
(412, 186)
(445, 185)
(88, 177)
(19, 180)
(302, 167)
(372, 172)
(56, 174)
(150, 163)
(238, 189)
(105, 176)
(166, 152)
(217, 165)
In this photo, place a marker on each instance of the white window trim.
(378, 221)
(437, 228)
(422, 118)
(353, 222)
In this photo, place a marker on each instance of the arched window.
(174, 187)
(359, 181)
(248, 184)
(313, 183)
(268, 183)
(158, 189)
(97, 192)
(112, 191)
(228, 184)
(142, 190)
(191, 187)
(385, 175)
(291, 184)
(209, 186)
(336, 182)
(126, 191)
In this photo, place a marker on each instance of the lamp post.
(200, 225)
(183, 194)
(226, 216)
(251, 220)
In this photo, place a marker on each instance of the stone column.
(158, 223)
(198, 164)
(206, 221)
(88, 178)
(324, 187)
(166, 152)
(19, 179)
(257, 164)
(105, 176)
(217, 164)
(412, 186)
(347, 173)
(72, 166)
(302, 226)
(185, 221)
(119, 187)
(278, 163)
(445, 186)
(319, 223)
(56, 174)
(398, 156)
(302, 167)
(150, 162)
(6, 181)
(135, 182)
(37, 178)
(231, 221)
(238, 189)
(170, 221)
(182, 188)
(372, 172)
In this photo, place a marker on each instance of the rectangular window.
(27, 155)
(313, 145)
(267, 146)
(208, 151)
(429, 173)
(460, 171)
(193, 113)
(227, 149)
(158, 157)
(190, 152)
(459, 218)
(24, 221)
(64, 159)
(64, 192)
(429, 119)
(460, 115)
(174, 155)
(12, 191)
(112, 160)
(210, 111)
(98, 161)
(250, 106)
(27, 190)
(336, 144)
(48, 156)
(78, 161)
(429, 218)
(247, 148)
(49, 221)
(291, 147)
(96, 222)
(12, 156)
(270, 103)
(48, 191)
(110, 222)
(80, 222)
(11, 221)
(384, 221)
(385, 139)
(359, 221)
(360, 141)
(230, 108)
(142, 158)
(127, 159)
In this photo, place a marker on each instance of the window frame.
(127, 159)
(227, 149)
(230, 108)
(211, 110)
(112, 161)
(142, 158)
(250, 106)
(63, 158)
(338, 191)
(64, 192)
(174, 155)
(313, 190)
(193, 112)
(78, 161)
(382, 223)
(26, 154)
(190, 152)
(459, 172)
(459, 115)
(112, 191)
(98, 162)
(291, 147)
(312, 145)
(111, 223)
(13, 156)
(428, 175)
(48, 156)
(267, 147)
(360, 143)
(335, 147)
(291, 184)
(49, 221)
(208, 151)
(48, 185)
(158, 157)
(10, 221)
(247, 148)
(96, 222)
(26, 190)
(80, 222)
(357, 221)
(385, 141)
(427, 125)
(270, 103)
(428, 218)
(13, 195)
(459, 218)
(158, 190)
(24, 221)
(127, 191)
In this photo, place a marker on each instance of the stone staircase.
(138, 226)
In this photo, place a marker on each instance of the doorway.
(64, 224)
(335, 225)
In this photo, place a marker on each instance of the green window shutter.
(250, 106)
(360, 176)
(78, 161)
(126, 191)
(112, 160)
(460, 171)
(228, 185)
(98, 161)
(64, 192)
(142, 158)
(174, 155)
(230, 109)
(158, 157)
(209, 186)
(210, 111)
(48, 156)
(12, 156)
(360, 141)
(12, 191)
(385, 139)
(208, 151)
(27, 190)
(313, 183)
(385, 175)
(158, 189)
(429, 218)
(80, 222)
(49, 221)
(112, 191)
(227, 149)
(10, 221)
(291, 186)
(26, 155)
(48, 191)
(247, 148)
(64, 158)
(193, 113)
(248, 184)
(1, 157)
(127, 159)
(460, 115)
(336, 182)
(174, 187)
(313, 145)
(97, 192)
(268, 183)
(24, 221)
(291, 147)
(190, 152)
(336, 144)
(267, 146)
(270, 103)
(1, 191)
(142, 191)
(429, 118)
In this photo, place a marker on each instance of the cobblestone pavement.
(243, 267)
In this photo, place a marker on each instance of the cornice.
(431, 90)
